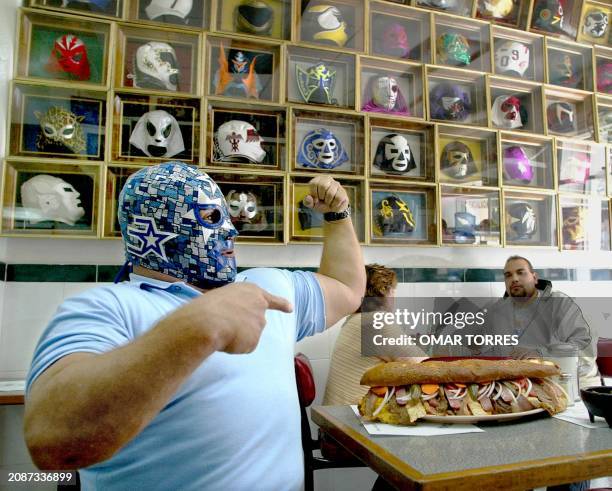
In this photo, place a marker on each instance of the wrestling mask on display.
(395, 40)
(236, 77)
(46, 197)
(393, 155)
(242, 207)
(385, 96)
(604, 76)
(574, 221)
(237, 140)
(465, 228)
(439, 4)
(394, 217)
(522, 220)
(507, 112)
(156, 67)
(563, 72)
(69, 56)
(308, 217)
(325, 23)
(596, 23)
(254, 17)
(61, 127)
(453, 49)
(457, 160)
(498, 9)
(316, 84)
(561, 117)
(512, 58)
(548, 15)
(449, 102)
(157, 134)
(517, 165)
(174, 220)
(321, 149)
(171, 8)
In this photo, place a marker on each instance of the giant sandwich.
(401, 393)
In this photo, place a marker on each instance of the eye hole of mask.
(77, 57)
(49, 130)
(67, 131)
(167, 130)
(68, 190)
(166, 57)
(151, 130)
(210, 216)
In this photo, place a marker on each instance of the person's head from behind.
(520, 278)
(174, 220)
(381, 283)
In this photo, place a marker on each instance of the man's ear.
(535, 275)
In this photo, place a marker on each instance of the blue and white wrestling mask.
(174, 219)
(321, 149)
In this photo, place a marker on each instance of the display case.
(518, 54)
(462, 43)
(457, 96)
(527, 161)
(255, 17)
(555, 17)
(245, 136)
(50, 199)
(594, 26)
(243, 69)
(604, 119)
(339, 25)
(157, 60)
(516, 106)
(458, 7)
(62, 48)
(98, 8)
(115, 177)
(569, 113)
(255, 204)
(401, 150)
(323, 77)
(402, 214)
(391, 89)
(467, 156)
(511, 13)
(327, 142)
(530, 219)
(606, 217)
(53, 122)
(150, 130)
(191, 14)
(399, 32)
(569, 64)
(306, 225)
(470, 216)
(581, 167)
(603, 70)
(581, 226)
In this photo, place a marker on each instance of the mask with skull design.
(321, 149)
(393, 155)
(596, 23)
(385, 96)
(242, 207)
(157, 134)
(457, 160)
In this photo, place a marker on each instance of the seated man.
(182, 377)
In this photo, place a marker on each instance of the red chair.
(604, 358)
(306, 393)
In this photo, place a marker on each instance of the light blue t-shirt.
(234, 424)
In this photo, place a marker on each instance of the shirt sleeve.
(309, 304)
(91, 322)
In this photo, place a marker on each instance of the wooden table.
(522, 454)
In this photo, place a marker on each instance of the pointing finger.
(278, 303)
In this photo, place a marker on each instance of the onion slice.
(388, 396)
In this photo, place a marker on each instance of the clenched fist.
(326, 194)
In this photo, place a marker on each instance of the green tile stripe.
(86, 273)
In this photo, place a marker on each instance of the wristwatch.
(333, 216)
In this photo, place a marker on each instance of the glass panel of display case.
(595, 22)
(530, 219)
(609, 170)
(458, 7)
(55, 47)
(306, 225)
(53, 122)
(605, 225)
(101, 8)
(511, 13)
(244, 135)
(527, 161)
(518, 54)
(149, 130)
(320, 77)
(339, 25)
(581, 167)
(457, 96)
(581, 227)
(569, 114)
(401, 150)
(403, 214)
(50, 199)
(470, 216)
(394, 89)
(399, 32)
(115, 180)
(604, 118)
(462, 43)
(327, 142)
(243, 69)
(467, 156)
(516, 106)
(556, 17)
(157, 60)
(192, 14)
(569, 64)
(255, 204)
(271, 18)
(603, 70)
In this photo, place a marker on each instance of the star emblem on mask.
(149, 238)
